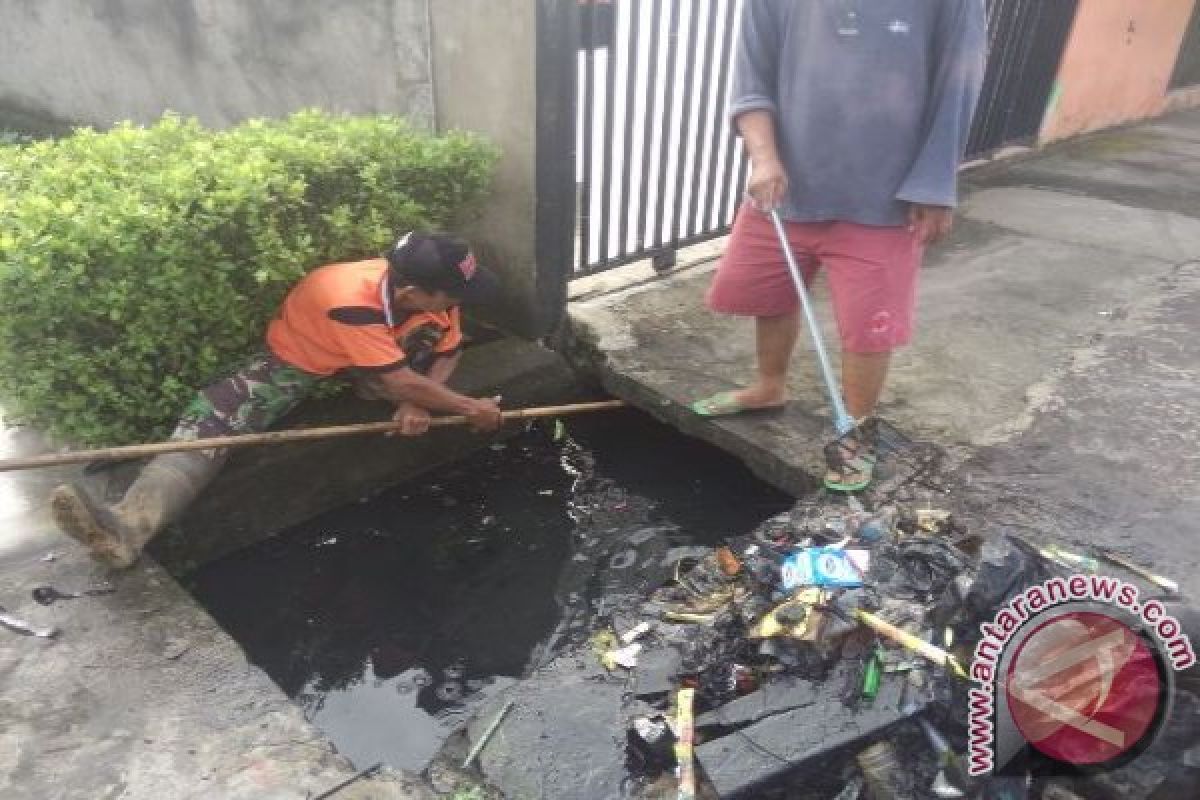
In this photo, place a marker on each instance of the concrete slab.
(1091, 222)
(1030, 277)
(1113, 456)
(738, 762)
(1153, 165)
(142, 696)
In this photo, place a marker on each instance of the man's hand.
(929, 224)
(768, 184)
(413, 420)
(484, 415)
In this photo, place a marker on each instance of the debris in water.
(825, 566)
(20, 626)
(653, 741)
(952, 779)
(942, 788)
(853, 789)
(560, 430)
(1119, 560)
(49, 557)
(685, 731)
(636, 632)
(872, 672)
(882, 771)
(622, 657)
(790, 618)
(932, 520)
(449, 692)
(728, 562)
(907, 640)
(487, 734)
(876, 527)
(366, 773)
(48, 595)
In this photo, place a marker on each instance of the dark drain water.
(391, 619)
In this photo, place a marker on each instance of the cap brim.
(483, 287)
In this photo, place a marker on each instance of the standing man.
(393, 320)
(855, 115)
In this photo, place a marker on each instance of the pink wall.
(1117, 64)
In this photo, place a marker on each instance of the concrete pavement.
(1062, 265)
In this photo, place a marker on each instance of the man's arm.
(752, 105)
(413, 419)
(959, 60)
(756, 61)
(407, 387)
(768, 179)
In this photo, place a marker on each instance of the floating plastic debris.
(17, 625)
(48, 595)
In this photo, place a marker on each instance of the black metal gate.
(658, 168)
(1026, 39)
(657, 164)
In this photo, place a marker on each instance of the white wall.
(100, 61)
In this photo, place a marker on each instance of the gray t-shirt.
(872, 99)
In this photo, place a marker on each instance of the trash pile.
(822, 656)
(825, 655)
(825, 613)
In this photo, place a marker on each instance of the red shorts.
(872, 273)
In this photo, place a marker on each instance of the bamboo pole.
(911, 642)
(279, 437)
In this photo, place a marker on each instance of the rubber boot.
(116, 534)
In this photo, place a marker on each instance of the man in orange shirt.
(394, 321)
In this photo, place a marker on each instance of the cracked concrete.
(1050, 252)
(141, 695)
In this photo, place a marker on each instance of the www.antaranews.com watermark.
(1077, 668)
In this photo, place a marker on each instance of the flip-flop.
(851, 464)
(726, 404)
(854, 477)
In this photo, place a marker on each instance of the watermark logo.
(1078, 670)
(1084, 688)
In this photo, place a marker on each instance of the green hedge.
(139, 263)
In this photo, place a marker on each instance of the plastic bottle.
(872, 672)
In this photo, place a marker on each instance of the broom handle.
(278, 437)
(842, 421)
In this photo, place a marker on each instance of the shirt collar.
(385, 296)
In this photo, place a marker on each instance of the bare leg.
(775, 339)
(863, 376)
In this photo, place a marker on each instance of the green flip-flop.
(851, 463)
(854, 476)
(726, 404)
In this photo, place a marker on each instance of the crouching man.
(394, 320)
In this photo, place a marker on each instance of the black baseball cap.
(440, 261)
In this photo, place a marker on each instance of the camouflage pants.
(248, 401)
